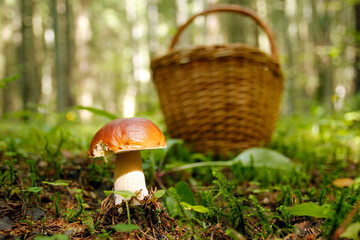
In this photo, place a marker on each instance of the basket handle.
(236, 9)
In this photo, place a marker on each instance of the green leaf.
(352, 231)
(58, 183)
(98, 112)
(170, 143)
(311, 210)
(196, 208)
(170, 204)
(184, 191)
(199, 156)
(125, 194)
(159, 193)
(356, 184)
(33, 189)
(107, 193)
(122, 227)
(262, 157)
(11, 78)
(76, 190)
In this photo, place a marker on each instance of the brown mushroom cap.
(126, 134)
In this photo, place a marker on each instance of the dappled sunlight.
(129, 102)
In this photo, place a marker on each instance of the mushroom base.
(129, 175)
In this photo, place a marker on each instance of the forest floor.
(50, 189)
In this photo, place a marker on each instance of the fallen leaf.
(343, 182)
(352, 231)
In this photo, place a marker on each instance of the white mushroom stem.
(129, 175)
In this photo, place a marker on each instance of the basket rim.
(199, 52)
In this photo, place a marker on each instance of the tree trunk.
(70, 43)
(30, 77)
(238, 28)
(152, 24)
(10, 97)
(182, 15)
(63, 54)
(9, 94)
(290, 41)
(357, 44)
(321, 37)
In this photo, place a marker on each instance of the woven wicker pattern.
(222, 98)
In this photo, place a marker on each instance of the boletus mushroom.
(125, 138)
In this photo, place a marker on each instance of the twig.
(146, 234)
(213, 232)
(346, 222)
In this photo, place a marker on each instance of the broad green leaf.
(262, 157)
(33, 189)
(123, 227)
(352, 231)
(171, 205)
(125, 194)
(311, 210)
(196, 208)
(159, 193)
(58, 183)
(98, 112)
(184, 191)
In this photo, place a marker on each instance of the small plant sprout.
(158, 194)
(33, 190)
(125, 138)
(127, 196)
(56, 196)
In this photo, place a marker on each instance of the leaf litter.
(24, 218)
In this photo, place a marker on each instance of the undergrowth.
(44, 166)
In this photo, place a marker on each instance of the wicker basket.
(221, 98)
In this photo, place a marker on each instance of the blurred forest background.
(55, 54)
